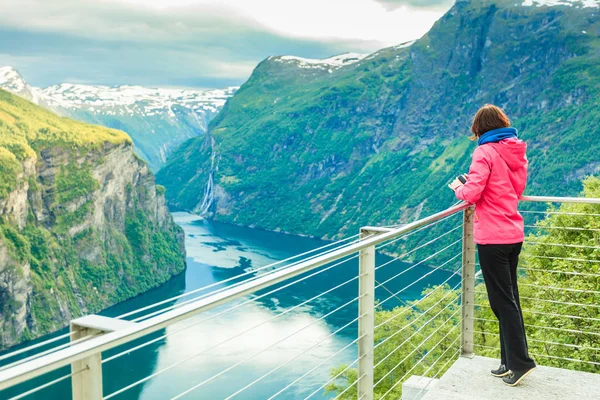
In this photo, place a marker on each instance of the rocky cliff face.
(82, 223)
(323, 151)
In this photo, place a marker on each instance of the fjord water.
(215, 253)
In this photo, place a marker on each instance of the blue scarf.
(497, 135)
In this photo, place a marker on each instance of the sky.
(194, 43)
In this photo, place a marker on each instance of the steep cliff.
(306, 148)
(82, 223)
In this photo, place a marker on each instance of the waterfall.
(209, 196)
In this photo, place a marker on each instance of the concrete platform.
(470, 379)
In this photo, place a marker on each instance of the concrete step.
(470, 379)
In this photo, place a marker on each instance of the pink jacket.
(496, 181)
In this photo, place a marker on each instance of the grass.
(26, 129)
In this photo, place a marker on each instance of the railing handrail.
(550, 199)
(64, 357)
(95, 345)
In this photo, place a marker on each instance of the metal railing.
(402, 326)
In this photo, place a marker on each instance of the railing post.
(468, 285)
(86, 382)
(366, 322)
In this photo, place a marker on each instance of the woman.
(495, 182)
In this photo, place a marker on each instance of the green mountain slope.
(82, 223)
(321, 151)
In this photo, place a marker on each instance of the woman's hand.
(455, 184)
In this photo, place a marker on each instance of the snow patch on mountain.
(131, 100)
(10, 79)
(334, 62)
(405, 44)
(570, 3)
(117, 100)
(397, 47)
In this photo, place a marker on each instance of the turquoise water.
(217, 252)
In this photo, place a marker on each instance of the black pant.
(499, 267)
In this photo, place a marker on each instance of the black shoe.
(515, 377)
(501, 371)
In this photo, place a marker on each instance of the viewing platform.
(544, 383)
(428, 348)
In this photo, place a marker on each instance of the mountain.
(158, 120)
(12, 81)
(82, 223)
(322, 151)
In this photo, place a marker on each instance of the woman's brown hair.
(488, 118)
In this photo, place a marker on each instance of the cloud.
(426, 4)
(190, 42)
(49, 58)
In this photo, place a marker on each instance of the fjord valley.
(82, 223)
(157, 120)
(375, 140)
(305, 147)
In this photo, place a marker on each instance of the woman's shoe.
(501, 371)
(515, 377)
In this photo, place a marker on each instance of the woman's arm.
(479, 173)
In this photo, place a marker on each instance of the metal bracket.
(373, 230)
